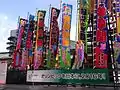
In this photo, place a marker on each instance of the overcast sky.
(11, 9)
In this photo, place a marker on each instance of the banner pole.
(49, 18)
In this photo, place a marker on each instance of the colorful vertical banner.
(101, 51)
(30, 34)
(79, 55)
(29, 40)
(66, 26)
(86, 8)
(17, 53)
(24, 50)
(84, 18)
(38, 53)
(54, 36)
(20, 32)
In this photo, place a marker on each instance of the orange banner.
(118, 24)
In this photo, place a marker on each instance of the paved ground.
(27, 87)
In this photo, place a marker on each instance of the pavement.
(43, 87)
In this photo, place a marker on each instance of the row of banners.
(31, 38)
(34, 50)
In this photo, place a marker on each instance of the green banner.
(86, 76)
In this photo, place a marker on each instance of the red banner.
(20, 34)
(54, 35)
(54, 29)
(101, 56)
(17, 53)
(38, 52)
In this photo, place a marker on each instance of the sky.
(10, 10)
